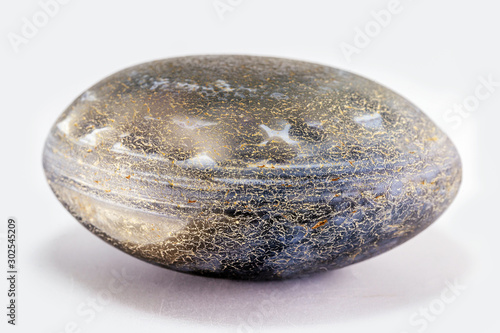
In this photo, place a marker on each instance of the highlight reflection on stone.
(249, 167)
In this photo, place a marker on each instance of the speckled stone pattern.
(249, 167)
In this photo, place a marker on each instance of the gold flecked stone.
(249, 167)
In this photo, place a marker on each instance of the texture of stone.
(249, 167)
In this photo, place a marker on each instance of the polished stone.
(249, 167)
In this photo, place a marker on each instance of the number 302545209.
(11, 244)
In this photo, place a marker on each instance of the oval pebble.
(249, 167)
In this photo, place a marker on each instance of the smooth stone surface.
(249, 167)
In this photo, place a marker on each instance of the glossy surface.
(249, 167)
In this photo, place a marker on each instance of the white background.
(432, 52)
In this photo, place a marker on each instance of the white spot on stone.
(162, 84)
(187, 86)
(252, 90)
(372, 121)
(64, 125)
(282, 134)
(315, 124)
(201, 160)
(119, 147)
(192, 123)
(223, 85)
(88, 96)
(91, 138)
(278, 96)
